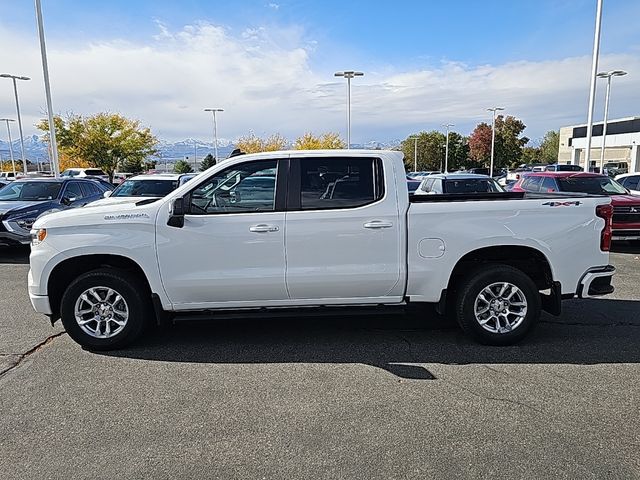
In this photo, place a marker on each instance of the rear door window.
(327, 183)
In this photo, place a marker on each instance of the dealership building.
(621, 145)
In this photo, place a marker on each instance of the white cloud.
(265, 81)
(275, 6)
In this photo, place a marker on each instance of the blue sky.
(270, 63)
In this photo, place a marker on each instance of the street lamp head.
(17, 77)
(7, 120)
(448, 125)
(348, 74)
(495, 109)
(611, 73)
(214, 110)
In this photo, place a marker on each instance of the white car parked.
(140, 187)
(630, 181)
(85, 172)
(330, 228)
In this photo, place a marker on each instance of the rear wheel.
(103, 309)
(497, 304)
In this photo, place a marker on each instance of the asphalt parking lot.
(389, 397)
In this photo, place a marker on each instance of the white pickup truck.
(332, 228)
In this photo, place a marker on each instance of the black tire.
(479, 279)
(127, 286)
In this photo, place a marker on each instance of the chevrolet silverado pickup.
(285, 231)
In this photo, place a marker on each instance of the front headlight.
(25, 223)
(38, 236)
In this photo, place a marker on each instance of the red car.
(626, 207)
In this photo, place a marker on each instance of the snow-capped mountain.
(36, 149)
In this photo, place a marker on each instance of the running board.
(288, 312)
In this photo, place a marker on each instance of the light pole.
(13, 162)
(47, 90)
(215, 129)
(15, 91)
(415, 154)
(195, 155)
(493, 135)
(446, 147)
(348, 74)
(607, 75)
(592, 88)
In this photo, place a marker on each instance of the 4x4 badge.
(574, 203)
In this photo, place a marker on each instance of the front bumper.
(596, 282)
(40, 303)
(14, 238)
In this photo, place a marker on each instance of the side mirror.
(176, 214)
(67, 200)
(107, 194)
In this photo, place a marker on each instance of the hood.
(118, 200)
(625, 200)
(6, 207)
(120, 213)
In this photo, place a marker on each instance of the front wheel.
(103, 309)
(497, 305)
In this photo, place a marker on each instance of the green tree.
(103, 140)
(207, 162)
(509, 142)
(131, 166)
(430, 150)
(182, 166)
(549, 147)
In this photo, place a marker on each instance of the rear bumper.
(626, 234)
(596, 282)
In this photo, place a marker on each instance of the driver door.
(230, 251)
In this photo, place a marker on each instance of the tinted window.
(90, 189)
(339, 182)
(532, 184)
(594, 185)
(247, 187)
(549, 185)
(73, 190)
(472, 185)
(94, 171)
(631, 182)
(30, 191)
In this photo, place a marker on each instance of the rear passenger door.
(342, 230)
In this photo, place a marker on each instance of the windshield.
(593, 185)
(30, 191)
(472, 185)
(145, 188)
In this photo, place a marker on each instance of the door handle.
(263, 228)
(375, 224)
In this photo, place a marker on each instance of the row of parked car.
(23, 200)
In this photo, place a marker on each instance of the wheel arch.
(529, 260)
(67, 270)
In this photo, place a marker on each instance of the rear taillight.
(517, 176)
(605, 212)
